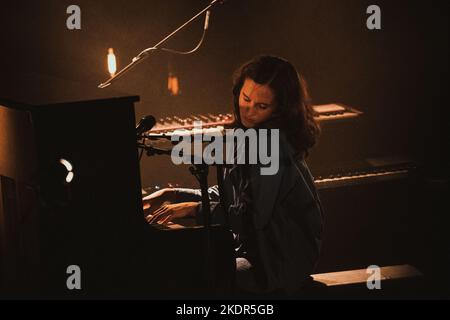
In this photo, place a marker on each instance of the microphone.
(145, 124)
(206, 25)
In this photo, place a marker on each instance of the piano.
(70, 195)
(338, 177)
(323, 113)
(366, 174)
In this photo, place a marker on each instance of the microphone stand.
(145, 53)
(200, 172)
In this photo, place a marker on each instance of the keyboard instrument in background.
(364, 175)
(323, 113)
(342, 177)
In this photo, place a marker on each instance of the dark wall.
(393, 74)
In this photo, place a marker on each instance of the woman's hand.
(155, 200)
(168, 212)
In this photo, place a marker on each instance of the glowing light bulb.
(112, 65)
(173, 85)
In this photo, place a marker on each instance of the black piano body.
(70, 195)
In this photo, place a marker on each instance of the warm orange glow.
(112, 65)
(173, 85)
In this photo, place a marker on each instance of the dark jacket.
(287, 221)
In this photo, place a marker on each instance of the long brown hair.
(294, 114)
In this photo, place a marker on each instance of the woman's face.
(256, 103)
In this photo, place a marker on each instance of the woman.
(276, 219)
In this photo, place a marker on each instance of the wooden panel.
(360, 276)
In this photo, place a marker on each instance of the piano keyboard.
(323, 113)
(350, 178)
(169, 124)
(363, 176)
